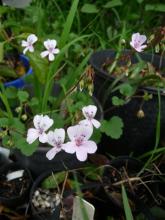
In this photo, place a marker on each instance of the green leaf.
(127, 208)
(96, 136)
(68, 24)
(27, 149)
(16, 125)
(23, 96)
(155, 7)
(40, 67)
(7, 71)
(126, 89)
(117, 101)
(89, 8)
(21, 144)
(140, 1)
(4, 122)
(113, 3)
(4, 10)
(54, 180)
(6, 140)
(113, 127)
(11, 92)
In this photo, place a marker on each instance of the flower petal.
(135, 37)
(51, 138)
(96, 123)
(32, 135)
(31, 48)
(69, 147)
(37, 120)
(86, 122)
(25, 50)
(46, 122)
(52, 153)
(47, 44)
(32, 38)
(81, 154)
(24, 43)
(56, 51)
(44, 53)
(89, 110)
(79, 131)
(59, 135)
(90, 147)
(143, 38)
(53, 43)
(43, 138)
(51, 57)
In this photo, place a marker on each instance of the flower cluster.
(50, 46)
(79, 135)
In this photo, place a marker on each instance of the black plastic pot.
(21, 199)
(112, 195)
(138, 133)
(36, 215)
(38, 162)
(3, 160)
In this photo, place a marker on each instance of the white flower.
(138, 41)
(50, 45)
(41, 124)
(31, 39)
(89, 113)
(80, 143)
(55, 139)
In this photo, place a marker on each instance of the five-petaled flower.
(89, 113)
(138, 41)
(31, 39)
(50, 45)
(80, 143)
(55, 139)
(41, 124)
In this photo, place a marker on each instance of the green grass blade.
(127, 209)
(68, 24)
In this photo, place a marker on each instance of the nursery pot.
(139, 198)
(39, 163)
(20, 82)
(3, 160)
(138, 133)
(43, 215)
(20, 185)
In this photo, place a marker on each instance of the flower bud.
(123, 42)
(140, 114)
(18, 109)
(24, 117)
(10, 143)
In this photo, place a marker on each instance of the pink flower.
(50, 45)
(89, 113)
(138, 41)
(41, 124)
(55, 139)
(80, 143)
(31, 39)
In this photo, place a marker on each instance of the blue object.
(20, 82)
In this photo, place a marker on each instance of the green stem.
(157, 134)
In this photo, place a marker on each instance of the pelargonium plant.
(141, 73)
(78, 134)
